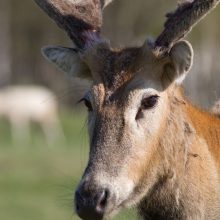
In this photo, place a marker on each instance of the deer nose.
(91, 205)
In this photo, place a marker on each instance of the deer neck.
(207, 127)
(175, 150)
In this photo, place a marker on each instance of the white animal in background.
(24, 104)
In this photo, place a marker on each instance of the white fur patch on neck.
(180, 79)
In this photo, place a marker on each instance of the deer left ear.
(67, 60)
(180, 62)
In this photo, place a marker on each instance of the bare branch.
(180, 22)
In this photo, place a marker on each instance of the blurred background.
(42, 162)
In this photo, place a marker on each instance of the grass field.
(37, 181)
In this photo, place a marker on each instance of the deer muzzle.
(93, 202)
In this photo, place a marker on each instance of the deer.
(23, 104)
(150, 147)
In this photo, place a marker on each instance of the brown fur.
(163, 158)
(168, 162)
(189, 184)
(181, 170)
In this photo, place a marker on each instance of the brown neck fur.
(207, 127)
(187, 174)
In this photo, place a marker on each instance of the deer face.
(127, 103)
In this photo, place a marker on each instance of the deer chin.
(122, 190)
(131, 201)
(131, 196)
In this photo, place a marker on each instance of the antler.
(180, 23)
(81, 19)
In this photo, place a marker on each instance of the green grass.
(37, 181)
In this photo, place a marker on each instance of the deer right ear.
(68, 60)
(104, 3)
(179, 64)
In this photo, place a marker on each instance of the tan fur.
(191, 169)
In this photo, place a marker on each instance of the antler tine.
(81, 19)
(180, 22)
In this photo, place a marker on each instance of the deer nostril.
(77, 208)
(102, 201)
(92, 205)
(79, 203)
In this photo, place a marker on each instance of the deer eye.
(149, 102)
(87, 103)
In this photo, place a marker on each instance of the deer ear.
(104, 3)
(180, 62)
(68, 60)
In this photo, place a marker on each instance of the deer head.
(128, 101)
